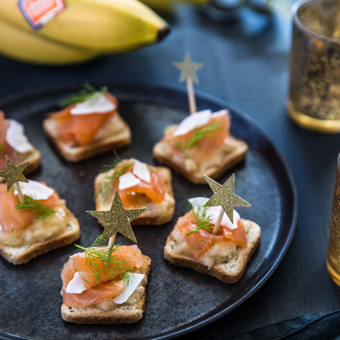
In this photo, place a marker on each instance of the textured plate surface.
(178, 299)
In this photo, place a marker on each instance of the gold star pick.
(13, 173)
(225, 197)
(188, 69)
(118, 219)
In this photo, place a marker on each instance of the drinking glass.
(314, 95)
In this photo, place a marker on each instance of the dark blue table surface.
(247, 65)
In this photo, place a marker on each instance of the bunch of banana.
(85, 29)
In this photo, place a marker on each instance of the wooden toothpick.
(191, 96)
(20, 195)
(219, 220)
(112, 241)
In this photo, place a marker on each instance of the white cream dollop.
(141, 170)
(97, 103)
(76, 285)
(128, 180)
(122, 297)
(192, 122)
(220, 113)
(197, 202)
(35, 190)
(197, 120)
(16, 138)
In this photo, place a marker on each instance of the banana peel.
(29, 47)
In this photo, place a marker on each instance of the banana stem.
(21, 196)
(219, 220)
(191, 96)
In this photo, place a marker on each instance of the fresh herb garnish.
(2, 147)
(116, 161)
(119, 168)
(207, 131)
(202, 219)
(197, 246)
(86, 93)
(212, 241)
(40, 211)
(104, 262)
(192, 246)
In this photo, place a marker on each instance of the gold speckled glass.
(333, 255)
(314, 96)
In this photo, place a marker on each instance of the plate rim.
(185, 329)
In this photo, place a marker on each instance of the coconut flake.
(142, 171)
(99, 104)
(197, 202)
(35, 190)
(127, 292)
(128, 181)
(76, 285)
(192, 122)
(16, 138)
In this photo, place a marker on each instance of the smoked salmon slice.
(153, 190)
(107, 288)
(5, 149)
(217, 130)
(94, 295)
(199, 242)
(80, 129)
(14, 219)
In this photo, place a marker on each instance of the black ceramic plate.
(178, 299)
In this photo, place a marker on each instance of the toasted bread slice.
(157, 213)
(229, 271)
(237, 153)
(33, 157)
(73, 153)
(25, 253)
(125, 313)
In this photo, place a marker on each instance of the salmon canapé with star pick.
(88, 125)
(15, 144)
(106, 284)
(201, 144)
(212, 238)
(33, 218)
(139, 185)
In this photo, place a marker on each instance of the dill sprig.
(116, 161)
(207, 131)
(40, 211)
(197, 245)
(86, 93)
(119, 168)
(2, 147)
(202, 219)
(104, 262)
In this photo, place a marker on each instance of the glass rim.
(301, 3)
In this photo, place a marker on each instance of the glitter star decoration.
(188, 69)
(117, 219)
(13, 173)
(225, 197)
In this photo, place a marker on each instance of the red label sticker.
(40, 12)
